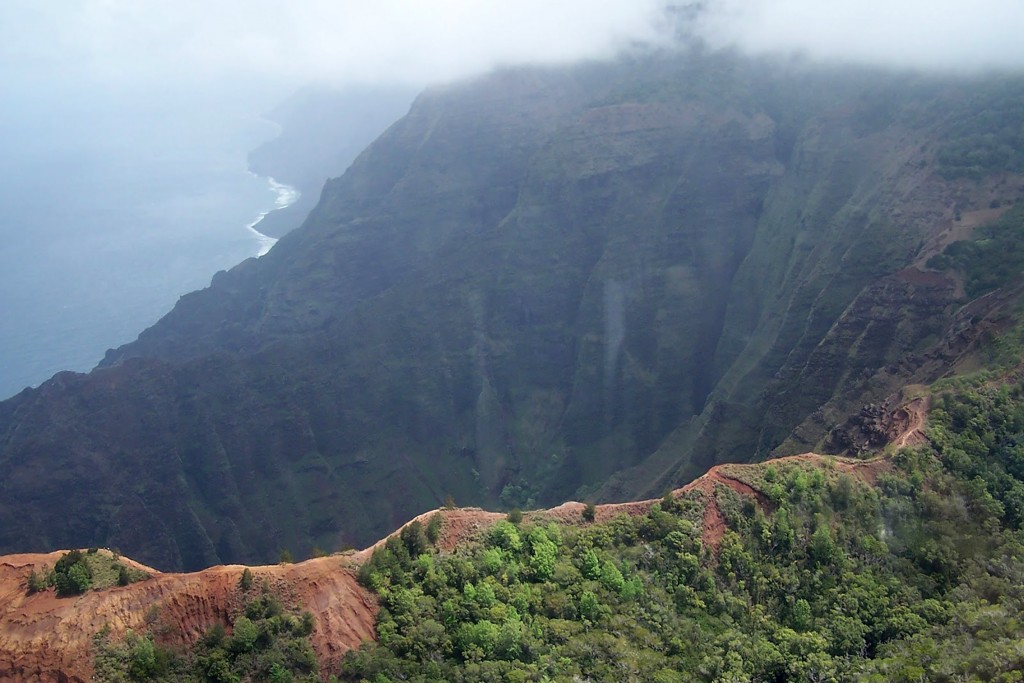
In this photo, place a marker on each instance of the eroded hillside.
(47, 638)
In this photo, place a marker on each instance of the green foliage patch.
(994, 258)
(266, 643)
(76, 572)
(986, 133)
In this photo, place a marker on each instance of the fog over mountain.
(939, 34)
(433, 41)
(331, 41)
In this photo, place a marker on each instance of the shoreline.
(286, 196)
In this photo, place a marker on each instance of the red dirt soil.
(46, 638)
(909, 422)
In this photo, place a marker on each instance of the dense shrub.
(71, 575)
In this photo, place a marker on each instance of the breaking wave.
(286, 196)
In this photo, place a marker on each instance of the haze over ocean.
(109, 212)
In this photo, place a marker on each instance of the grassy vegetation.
(76, 572)
(918, 578)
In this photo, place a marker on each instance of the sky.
(339, 41)
(125, 42)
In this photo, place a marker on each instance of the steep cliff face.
(591, 281)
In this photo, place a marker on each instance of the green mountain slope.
(592, 281)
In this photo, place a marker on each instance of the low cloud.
(923, 34)
(420, 41)
(413, 41)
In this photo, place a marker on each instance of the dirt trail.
(864, 470)
(734, 477)
(909, 423)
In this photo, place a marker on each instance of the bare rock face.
(546, 283)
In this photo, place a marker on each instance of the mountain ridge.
(46, 638)
(591, 282)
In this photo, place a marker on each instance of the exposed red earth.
(46, 638)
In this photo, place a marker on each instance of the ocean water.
(109, 212)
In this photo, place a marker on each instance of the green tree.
(590, 566)
(279, 674)
(543, 555)
(477, 639)
(245, 580)
(611, 577)
(74, 581)
(590, 606)
(802, 615)
(415, 539)
(123, 576)
(505, 535)
(243, 639)
(71, 574)
(434, 526)
(142, 659)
